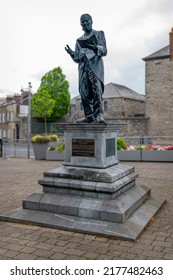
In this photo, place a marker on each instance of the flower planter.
(134, 155)
(140, 155)
(40, 149)
(54, 155)
(161, 155)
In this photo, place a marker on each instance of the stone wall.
(132, 126)
(113, 108)
(118, 110)
(159, 97)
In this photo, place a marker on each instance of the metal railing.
(16, 148)
(19, 148)
(148, 140)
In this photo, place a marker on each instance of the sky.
(35, 32)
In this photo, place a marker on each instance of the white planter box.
(129, 155)
(166, 156)
(138, 155)
(54, 155)
(40, 149)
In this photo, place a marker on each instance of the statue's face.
(86, 23)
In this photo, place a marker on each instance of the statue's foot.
(100, 119)
(86, 120)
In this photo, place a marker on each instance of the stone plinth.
(90, 145)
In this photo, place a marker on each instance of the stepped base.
(116, 210)
(130, 230)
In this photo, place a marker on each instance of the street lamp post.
(29, 117)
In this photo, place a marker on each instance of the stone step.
(107, 175)
(130, 230)
(117, 210)
(90, 189)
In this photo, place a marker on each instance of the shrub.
(121, 144)
(60, 148)
(44, 139)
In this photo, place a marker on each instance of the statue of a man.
(89, 49)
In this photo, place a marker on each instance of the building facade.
(159, 91)
(13, 125)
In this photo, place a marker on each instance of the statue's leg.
(97, 90)
(86, 95)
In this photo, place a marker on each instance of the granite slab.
(130, 230)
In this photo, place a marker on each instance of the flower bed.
(56, 152)
(146, 153)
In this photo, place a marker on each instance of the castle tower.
(159, 90)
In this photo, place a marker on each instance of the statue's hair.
(86, 15)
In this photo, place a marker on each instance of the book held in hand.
(85, 43)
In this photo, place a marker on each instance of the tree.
(52, 98)
(42, 106)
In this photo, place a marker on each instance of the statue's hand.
(69, 50)
(92, 46)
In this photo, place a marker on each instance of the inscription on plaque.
(110, 147)
(83, 147)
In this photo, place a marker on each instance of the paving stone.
(43, 253)
(11, 254)
(14, 247)
(90, 255)
(25, 256)
(75, 252)
(168, 256)
(58, 256)
(2, 251)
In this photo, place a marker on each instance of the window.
(8, 116)
(12, 116)
(3, 117)
(8, 136)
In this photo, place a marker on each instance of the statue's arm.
(76, 55)
(101, 47)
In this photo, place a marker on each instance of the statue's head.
(86, 22)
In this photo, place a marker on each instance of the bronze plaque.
(83, 147)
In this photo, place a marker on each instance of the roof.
(160, 54)
(113, 90)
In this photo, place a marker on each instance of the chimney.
(9, 98)
(171, 44)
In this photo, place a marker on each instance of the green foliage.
(44, 139)
(121, 144)
(53, 90)
(42, 106)
(140, 147)
(61, 147)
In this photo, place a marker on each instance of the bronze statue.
(89, 49)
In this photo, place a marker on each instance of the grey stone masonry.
(88, 182)
(90, 145)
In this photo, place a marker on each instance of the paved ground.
(18, 179)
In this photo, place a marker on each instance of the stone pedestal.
(91, 192)
(91, 145)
